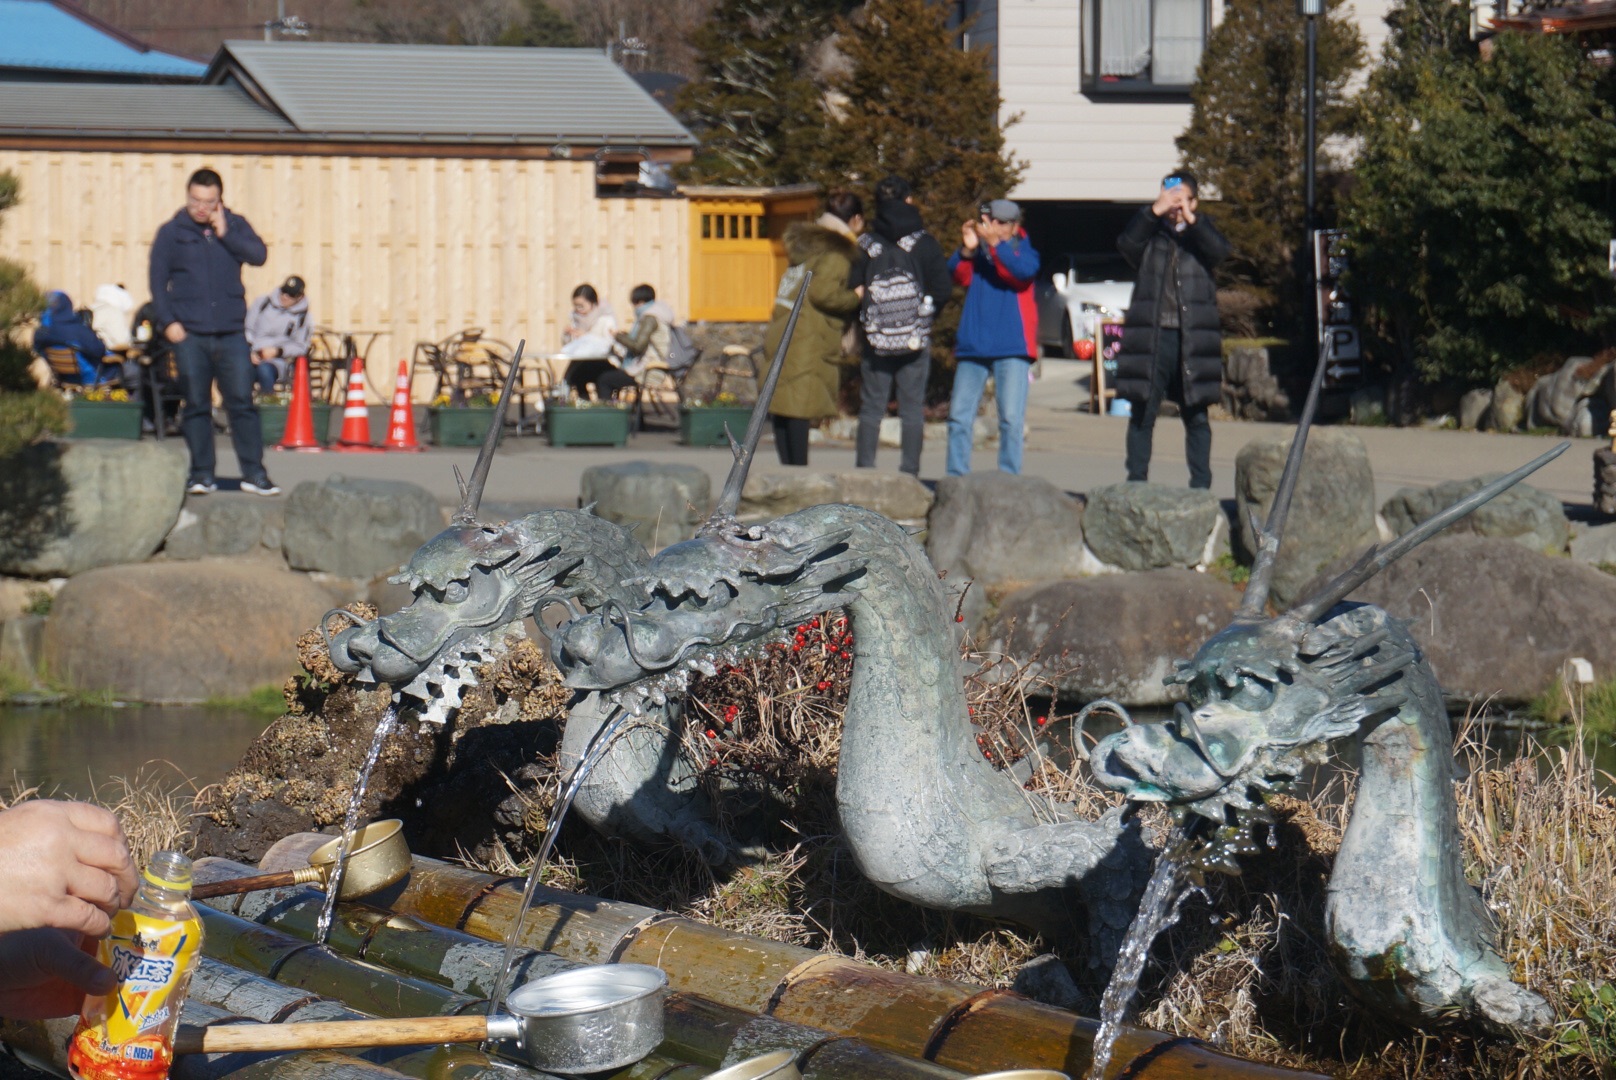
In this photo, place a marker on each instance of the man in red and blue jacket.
(998, 331)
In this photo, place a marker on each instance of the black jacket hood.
(896, 219)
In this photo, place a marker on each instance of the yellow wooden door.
(733, 261)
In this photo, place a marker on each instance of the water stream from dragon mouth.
(1158, 910)
(592, 755)
(350, 824)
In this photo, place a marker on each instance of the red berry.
(988, 754)
(971, 709)
(1042, 720)
(712, 763)
(959, 618)
(824, 686)
(712, 734)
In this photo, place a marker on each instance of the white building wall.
(1080, 148)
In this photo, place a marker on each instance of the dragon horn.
(729, 500)
(471, 493)
(1378, 558)
(1262, 567)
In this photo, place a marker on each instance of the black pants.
(1167, 383)
(880, 375)
(791, 439)
(606, 377)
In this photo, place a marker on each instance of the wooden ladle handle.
(230, 887)
(329, 1035)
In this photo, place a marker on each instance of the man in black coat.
(1172, 341)
(906, 373)
(201, 309)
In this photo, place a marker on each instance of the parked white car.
(1070, 310)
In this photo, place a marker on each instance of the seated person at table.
(651, 335)
(60, 327)
(589, 345)
(278, 331)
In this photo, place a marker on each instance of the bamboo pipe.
(344, 1034)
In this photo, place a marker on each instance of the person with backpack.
(905, 279)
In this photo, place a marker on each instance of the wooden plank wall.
(418, 247)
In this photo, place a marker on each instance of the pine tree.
(542, 26)
(1245, 139)
(26, 412)
(1482, 208)
(754, 103)
(911, 102)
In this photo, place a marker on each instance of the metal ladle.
(379, 857)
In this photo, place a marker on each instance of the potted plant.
(702, 420)
(588, 423)
(273, 410)
(463, 424)
(104, 412)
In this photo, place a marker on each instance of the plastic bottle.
(129, 1034)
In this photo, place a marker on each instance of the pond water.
(74, 750)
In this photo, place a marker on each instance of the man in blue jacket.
(201, 308)
(998, 331)
(61, 328)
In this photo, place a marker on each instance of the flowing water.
(580, 772)
(1158, 910)
(350, 824)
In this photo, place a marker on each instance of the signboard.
(1107, 344)
(1335, 310)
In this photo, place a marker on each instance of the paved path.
(1072, 449)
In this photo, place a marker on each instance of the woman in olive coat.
(811, 376)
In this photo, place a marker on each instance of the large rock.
(1250, 390)
(1003, 532)
(1125, 629)
(1605, 481)
(1332, 514)
(1525, 514)
(206, 630)
(898, 496)
(1508, 408)
(1595, 544)
(222, 525)
(1496, 619)
(1473, 408)
(357, 528)
(1146, 526)
(1556, 400)
(68, 507)
(662, 503)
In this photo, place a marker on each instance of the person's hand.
(174, 332)
(68, 867)
(46, 974)
(968, 237)
(217, 220)
(858, 291)
(1168, 199)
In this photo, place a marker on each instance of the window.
(1142, 46)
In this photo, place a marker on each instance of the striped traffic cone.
(355, 437)
(300, 433)
(401, 424)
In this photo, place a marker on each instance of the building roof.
(448, 93)
(99, 109)
(51, 36)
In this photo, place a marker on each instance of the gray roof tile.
(134, 110)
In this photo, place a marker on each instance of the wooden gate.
(736, 255)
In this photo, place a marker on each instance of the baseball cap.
(1004, 210)
(292, 286)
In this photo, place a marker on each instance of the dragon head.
(712, 600)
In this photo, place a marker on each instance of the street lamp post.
(1310, 10)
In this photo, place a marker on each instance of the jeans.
(791, 439)
(880, 374)
(1010, 388)
(204, 359)
(266, 373)
(1167, 383)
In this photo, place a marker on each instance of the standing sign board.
(1107, 343)
(1335, 312)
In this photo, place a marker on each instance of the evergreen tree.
(542, 26)
(754, 103)
(26, 412)
(1481, 210)
(1246, 136)
(911, 102)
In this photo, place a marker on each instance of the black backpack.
(895, 314)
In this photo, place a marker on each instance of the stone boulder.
(662, 503)
(1332, 514)
(1146, 526)
(1605, 481)
(896, 495)
(68, 507)
(1003, 532)
(1473, 407)
(1595, 544)
(1250, 390)
(1496, 619)
(1525, 514)
(1557, 400)
(357, 528)
(1122, 632)
(206, 629)
(1508, 408)
(222, 525)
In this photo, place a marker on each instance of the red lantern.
(1083, 349)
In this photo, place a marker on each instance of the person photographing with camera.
(1172, 339)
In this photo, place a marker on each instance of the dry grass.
(154, 808)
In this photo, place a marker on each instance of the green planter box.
(105, 419)
(603, 425)
(272, 418)
(704, 426)
(449, 426)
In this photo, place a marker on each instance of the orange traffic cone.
(355, 437)
(401, 424)
(299, 434)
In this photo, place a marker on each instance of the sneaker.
(261, 486)
(201, 487)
